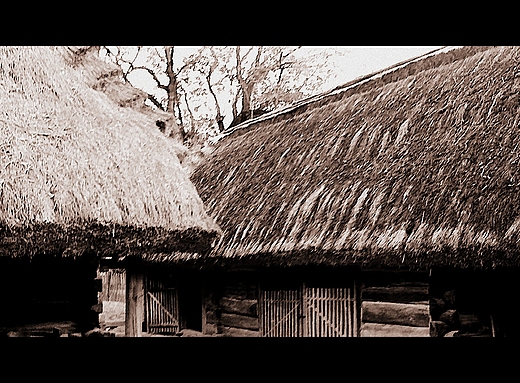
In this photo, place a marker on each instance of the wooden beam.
(390, 330)
(397, 294)
(239, 306)
(395, 313)
(239, 321)
(134, 313)
(239, 332)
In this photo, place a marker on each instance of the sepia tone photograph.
(259, 191)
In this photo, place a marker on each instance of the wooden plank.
(354, 310)
(239, 306)
(279, 314)
(134, 314)
(395, 313)
(396, 294)
(389, 330)
(239, 321)
(239, 332)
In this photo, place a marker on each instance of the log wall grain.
(406, 314)
(230, 307)
(392, 330)
(395, 304)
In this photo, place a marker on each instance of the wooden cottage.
(87, 181)
(389, 206)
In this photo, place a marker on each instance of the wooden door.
(309, 312)
(281, 313)
(162, 308)
(330, 312)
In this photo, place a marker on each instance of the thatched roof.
(83, 167)
(414, 167)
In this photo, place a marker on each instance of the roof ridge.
(334, 91)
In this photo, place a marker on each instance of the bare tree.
(197, 91)
(160, 67)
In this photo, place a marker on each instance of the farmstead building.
(389, 206)
(85, 177)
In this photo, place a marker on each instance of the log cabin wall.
(230, 305)
(394, 304)
(231, 301)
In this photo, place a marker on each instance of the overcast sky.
(357, 60)
(362, 60)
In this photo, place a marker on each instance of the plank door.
(330, 312)
(281, 313)
(162, 308)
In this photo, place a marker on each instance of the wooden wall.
(466, 303)
(230, 306)
(134, 315)
(395, 304)
(112, 300)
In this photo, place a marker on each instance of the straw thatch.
(415, 167)
(83, 167)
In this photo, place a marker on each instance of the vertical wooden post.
(134, 314)
(355, 330)
(303, 320)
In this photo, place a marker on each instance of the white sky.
(362, 60)
(355, 61)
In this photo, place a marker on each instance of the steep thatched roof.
(83, 168)
(415, 167)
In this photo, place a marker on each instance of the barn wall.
(231, 300)
(230, 306)
(395, 304)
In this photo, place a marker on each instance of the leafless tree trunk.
(172, 92)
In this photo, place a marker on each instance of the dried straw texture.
(78, 172)
(416, 168)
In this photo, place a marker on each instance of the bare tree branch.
(156, 102)
(154, 76)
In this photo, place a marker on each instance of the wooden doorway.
(309, 312)
(162, 307)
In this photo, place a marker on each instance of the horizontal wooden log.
(395, 313)
(239, 321)
(240, 306)
(438, 329)
(392, 330)
(238, 332)
(396, 294)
